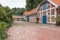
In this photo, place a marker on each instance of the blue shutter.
(44, 7)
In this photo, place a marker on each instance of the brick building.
(47, 11)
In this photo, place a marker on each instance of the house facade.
(47, 11)
(30, 16)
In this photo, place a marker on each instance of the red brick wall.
(48, 5)
(58, 11)
(52, 12)
(39, 16)
(48, 19)
(33, 18)
(53, 19)
(45, 13)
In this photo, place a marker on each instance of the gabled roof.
(55, 2)
(33, 11)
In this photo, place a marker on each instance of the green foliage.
(58, 20)
(2, 30)
(2, 25)
(5, 19)
(30, 4)
(2, 35)
(2, 13)
(6, 14)
(18, 11)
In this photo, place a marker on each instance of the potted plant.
(58, 21)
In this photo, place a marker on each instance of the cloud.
(13, 3)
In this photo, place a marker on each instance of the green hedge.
(3, 34)
(58, 21)
(5, 20)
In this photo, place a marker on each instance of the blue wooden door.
(44, 19)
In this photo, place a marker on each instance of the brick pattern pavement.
(22, 32)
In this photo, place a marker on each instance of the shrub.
(5, 20)
(58, 21)
(2, 25)
(3, 33)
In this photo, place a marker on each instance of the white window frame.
(41, 14)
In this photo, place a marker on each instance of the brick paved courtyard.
(31, 31)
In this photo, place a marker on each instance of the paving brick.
(29, 31)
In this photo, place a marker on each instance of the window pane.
(44, 6)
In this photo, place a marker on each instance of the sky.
(13, 3)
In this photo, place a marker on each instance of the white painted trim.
(49, 15)
(46, 9)
(51, 22)
(53, 3)
(55, 14)
(48, 4)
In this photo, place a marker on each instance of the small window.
(44, 7)
(48, 13)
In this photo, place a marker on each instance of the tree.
(6, 14)
(30, 4)
(5, 19)
(18, 11)
(9, 13)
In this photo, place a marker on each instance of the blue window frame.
(44, 7)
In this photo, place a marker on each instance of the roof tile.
(56, 2)
(30, 12)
